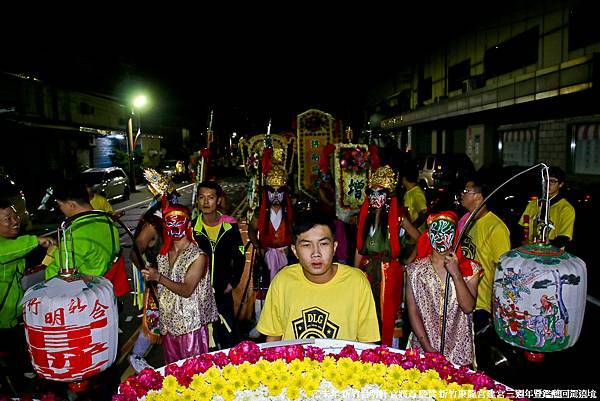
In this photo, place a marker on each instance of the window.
(517, 52)
(586, 141)
(583, 25)
(519, 147)
(424, 90)
(457, 74)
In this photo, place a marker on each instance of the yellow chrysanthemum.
(413, 375)
(228, 392)
(170, 383)
(238, 383)
(229, 371)
(244, 369)
(217, 385)
(275, 389)
(292, 392)
(249, 383)
(339, 383)
(168, 395)
(366, 368)
(188, 395)
(297, 380)
(328, 362)
(344, 363)
(203, 392)
(430, 374)
(212, 374)
(379, 369)
(296, 366)
(408, 386)
(284, 379)
(197, 381)
(310, 388)
(278, 366)
(362, 380)
(331, 374)
(314, 375)
(257, 374)
(153, 396)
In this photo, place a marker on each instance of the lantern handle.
(467, 226)
(66, 224)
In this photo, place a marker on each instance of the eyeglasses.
(470, 191)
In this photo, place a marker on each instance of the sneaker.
(138, 363)
(254, 333)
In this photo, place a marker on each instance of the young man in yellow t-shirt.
(485, 241)
(414, 199)
(561, 213)
(317, 298)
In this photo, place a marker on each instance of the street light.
(138, 102)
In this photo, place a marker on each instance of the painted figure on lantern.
(536, 302)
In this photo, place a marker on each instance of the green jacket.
(12, 266)
(95, 246)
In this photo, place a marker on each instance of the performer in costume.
(271, 232)
(186, 299)
(381, 223)
(425, 292)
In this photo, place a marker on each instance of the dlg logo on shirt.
(315, 323)
(468, 248)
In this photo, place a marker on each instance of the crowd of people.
(403, 253)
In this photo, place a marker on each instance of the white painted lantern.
(539, 298)
(71, 326)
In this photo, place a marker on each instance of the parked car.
(11, 192)
(447, 171)
(110, 182)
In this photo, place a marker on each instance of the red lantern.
(71, 326)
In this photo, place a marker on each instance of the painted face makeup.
(176, 225)
(377, 198)
(441, 235)
(275, 196)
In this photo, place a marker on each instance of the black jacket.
(226, 256)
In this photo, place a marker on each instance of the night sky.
(246, 68)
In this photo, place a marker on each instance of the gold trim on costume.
(383, 177)
(176, 213)
(276, 177)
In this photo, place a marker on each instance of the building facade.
(515, 89)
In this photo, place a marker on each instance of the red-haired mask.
(176, 223)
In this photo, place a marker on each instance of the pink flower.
(273, 353)
(294, 352)
(315, 353)
(370, 355)
(246, 351)
(481, 380)
(220, 359)
(150, 379)
(127, 393)
(172, 369)
(349, 352)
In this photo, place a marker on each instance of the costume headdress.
(446, 215)
(182, 214)
(158, 184)
(276, 178)
(383, 177)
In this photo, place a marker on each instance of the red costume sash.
(268, 236)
